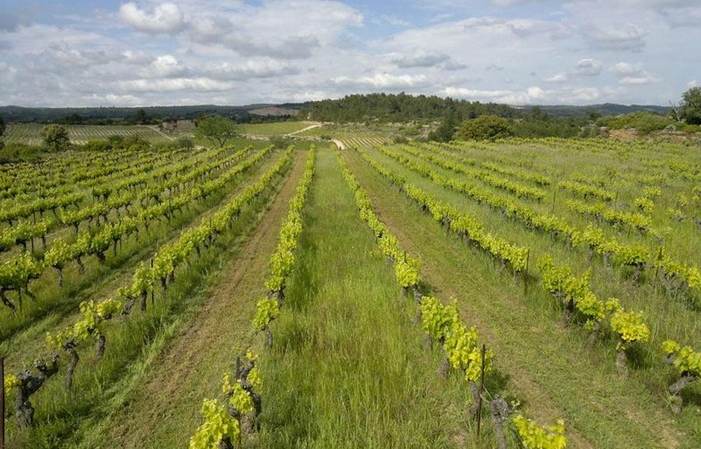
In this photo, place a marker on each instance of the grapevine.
(535, 437)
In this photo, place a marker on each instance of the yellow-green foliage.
(630, 327)
(10, 382)
(238, 397)
(535, 437)
(267, 310)
(218, 424)
(686, 360)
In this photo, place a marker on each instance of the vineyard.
(520, 294)
(30, 133)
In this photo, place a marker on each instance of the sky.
(56, 53)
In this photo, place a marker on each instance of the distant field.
(30, 133)
(352, 130)
(273, 129)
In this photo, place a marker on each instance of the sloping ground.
(164, 411)
(547, 366)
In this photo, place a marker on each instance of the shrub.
(485, 127)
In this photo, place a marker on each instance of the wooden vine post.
(525, 273)
(479, 400)
(2, 403)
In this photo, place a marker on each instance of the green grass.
(53, 303)
(351, 130)
(272, 129)
(668, 317)
(348, 367)
(131, 344)
(547, 364)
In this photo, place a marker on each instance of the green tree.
(55, 136)
(216, 129)
(485, 127)
(691, 106)
(141, 118)
(445, 131)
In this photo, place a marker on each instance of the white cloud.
(561, 77)
(165, 18)
(7, 73)
(683, 16)
(420, 59)
(580, 95)
(589, 67)
(284, 29)
(200, 84)
(241, 51)
(136, 57)
(381, 80)
(266, 68)
(529, 96)
(165, 66)
(583, 68)
(393, 20)
(628, 37)
(628, 73)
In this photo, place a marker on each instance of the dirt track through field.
(293, 133)
(193, 366)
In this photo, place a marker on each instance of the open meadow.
(517, 293)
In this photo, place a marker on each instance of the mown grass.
(668, 317)
(54, 303)
(160, 407)
(348, 367)
(272, 129)
(351, 130)
(100, 385)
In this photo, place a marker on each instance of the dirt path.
(164, 412)
(339, 144)
(315, 125)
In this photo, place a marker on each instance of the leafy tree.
(133, 143)
(55, 136)
(97, 145)
(446, 131)
(182, 142)
(216, 129)
(73, 119)
(141, 117)
(485, 127)
(691, 106)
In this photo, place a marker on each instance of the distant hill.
(602, 109)
(387, 107)
(403, 108)
(116, 114)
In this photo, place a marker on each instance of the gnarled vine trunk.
(28, 385)
(499, 410)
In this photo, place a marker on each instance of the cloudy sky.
(173, 52)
